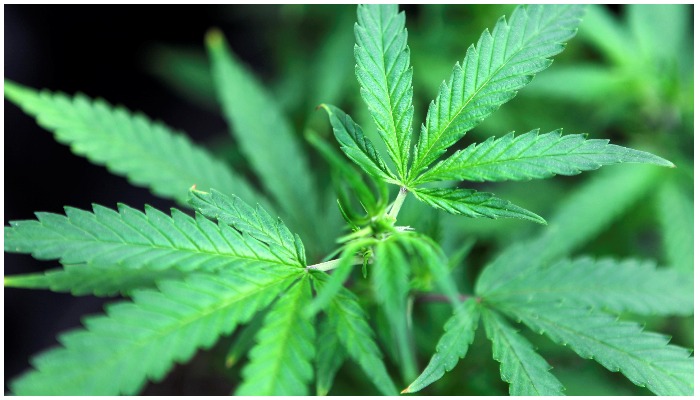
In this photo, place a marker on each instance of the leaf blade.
(526, 372)
(453, 345)
(473, 204)
(534, 156)
(356, 145)
(382, 69)
(280, 362)
(645, 358)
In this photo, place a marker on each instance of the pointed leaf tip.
(214, 37)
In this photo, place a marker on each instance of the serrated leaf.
(244, 340)
(645, 358)
(356, 145)
(619, 286)
(256, 222)
(534, 156)
(280, 362)
(385, 78)
(526, 372)
(266, 137)
(675, 213)
(97, 280)
(147, 153)
(585, 213)
(115, 354)
(389, 275)
(349, 321)
(330, 356)
(130, 239)
(491, 74)
(474, 204)
(453, 345)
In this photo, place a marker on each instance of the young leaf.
(534, 156)
(357, 146)
(115, 354)
(330, 355)
(280, 362)
(389, 275)
(453, 345)
(256, 222)
(350, 323)
(91, 279)
(580, 217)
(645, 358)
(675, 213)
(131, 239)
(526, 372)
(491, 74)
(630, 285)
(474, 204)
(385, 77)
(265, 135)
(147, 153)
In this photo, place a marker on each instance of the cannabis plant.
(313, 296)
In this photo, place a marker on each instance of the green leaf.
(97, 280)
(581, 216)
(619, 286)
(534, 156)
(594, 82)
(256, 222)
(349, 321)
(147, 153)
(453, 345)
(491, 74)
(115, 354)
(389, 274)
(526, 372)
(645, 358)
(474, 204)
(330, 356)
(266, 137)
(675, 213)
(280, 362)
(385, 77)
(130, 239)
(356, 145)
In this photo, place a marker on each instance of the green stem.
(398, 202)
(331, 264)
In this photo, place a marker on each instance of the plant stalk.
(396, 207)
(332, 264)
